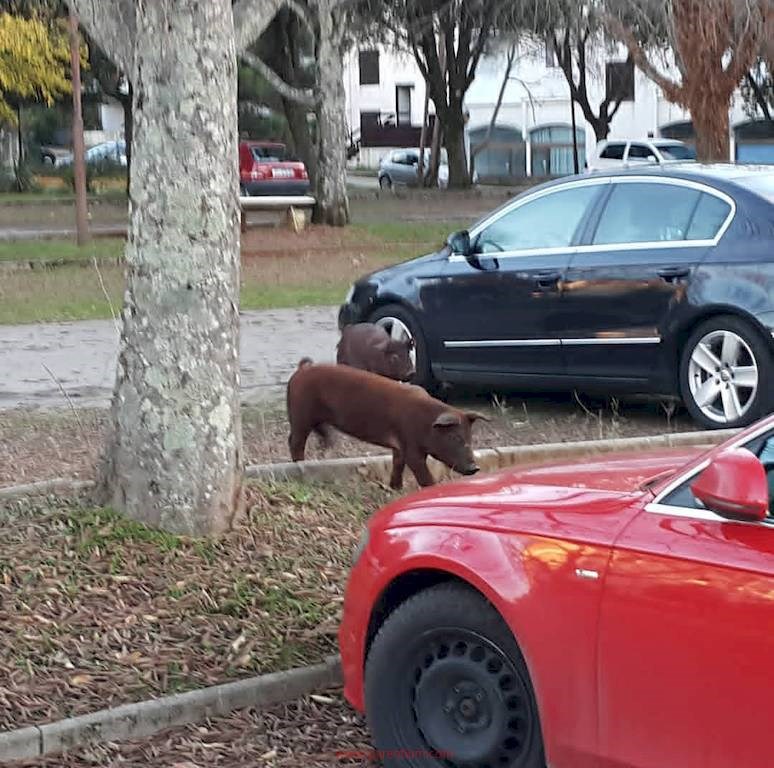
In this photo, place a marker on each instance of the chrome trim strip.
(586, 573)
(686, 512)
(549, 342)
(614, 341)
(503, 343)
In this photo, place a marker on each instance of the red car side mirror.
(734, 485)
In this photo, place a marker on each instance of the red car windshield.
(270, 153)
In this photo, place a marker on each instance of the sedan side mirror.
(459, 242)
(734, 486)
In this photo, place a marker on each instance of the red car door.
(686, 639)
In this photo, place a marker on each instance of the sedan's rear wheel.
(446, 685)
(385, 182)
(726, 373)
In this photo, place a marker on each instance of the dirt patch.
(96, 610)
(319, 732)
(40, 445)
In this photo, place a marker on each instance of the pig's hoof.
(396, 485)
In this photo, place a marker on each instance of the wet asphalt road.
(38, 362)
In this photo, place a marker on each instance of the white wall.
(538, 94)
(112, 116)
(394, 69)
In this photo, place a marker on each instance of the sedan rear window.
(677, 152)
(270, 154)
(647, 213)
(710, 215)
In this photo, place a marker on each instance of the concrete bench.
(273, 203)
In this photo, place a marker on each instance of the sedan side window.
(640, 152)
(550, 221)
(647, 213)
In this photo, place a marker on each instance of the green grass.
(76, 291)
(61, 250)
(57, 196)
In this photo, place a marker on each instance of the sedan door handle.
(673, 274)
(548, 279)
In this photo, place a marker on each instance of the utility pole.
(79, 152)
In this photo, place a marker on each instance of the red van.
(265, 168)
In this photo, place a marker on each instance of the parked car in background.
(266, 168)
(624, 153)
(107, 152)
(609, 612)
(659, 280)
(399, 168)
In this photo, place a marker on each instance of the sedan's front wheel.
(446, 686)
(726, 373)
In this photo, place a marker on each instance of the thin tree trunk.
(423, 140)
(79, 151)
(174, 454)
(19, 135)
(496, 112)
(126, 103)
(331, 190)
(431, 180)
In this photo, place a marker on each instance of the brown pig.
(375, 409)
(370, 348)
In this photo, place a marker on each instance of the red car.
(615, 612)
(265, 168)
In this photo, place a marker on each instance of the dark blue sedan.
(650, 281)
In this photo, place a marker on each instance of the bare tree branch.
(112, 25)
(251, 17)
(288, 91)
(498, 104)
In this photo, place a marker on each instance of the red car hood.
(616, 472)
(584, 498)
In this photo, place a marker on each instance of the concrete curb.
(379, 467)
(489, 459)
(145, 718)
(43, 487)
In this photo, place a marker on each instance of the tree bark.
(173, 458)
(711, 128)
(331, 189)
(79, 151)
(126, 103)
(454, 139)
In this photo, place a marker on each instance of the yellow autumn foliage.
(34, 62)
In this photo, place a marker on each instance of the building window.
(369, 67)
(553, 153)
(403, 104)
(619, 79)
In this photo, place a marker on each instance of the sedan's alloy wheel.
(723, 376)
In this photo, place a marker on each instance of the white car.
(626, 153)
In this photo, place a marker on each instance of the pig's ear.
(447, 419)
(475, 416)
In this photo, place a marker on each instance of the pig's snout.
(470, 469)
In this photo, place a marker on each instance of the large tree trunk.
(331, 190)
(710, 124)
(174, 455)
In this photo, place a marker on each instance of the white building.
(533, 136)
